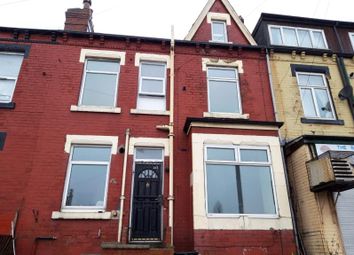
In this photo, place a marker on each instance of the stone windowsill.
(84, 215)
(149, 112)
(226, 115)
(89, 108)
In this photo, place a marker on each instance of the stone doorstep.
(120, 246)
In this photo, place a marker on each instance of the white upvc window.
(315, 96)
(298, 37)
(87, 178)
(223, 90)
(100, 83)
(351, 36)
(152, 86)
(218, 31)
(10, 65)
(239, 181)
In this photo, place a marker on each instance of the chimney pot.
(87, 4)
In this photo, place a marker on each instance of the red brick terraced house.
(115, 144)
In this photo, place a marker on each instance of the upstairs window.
(239, 180)
(223, 90)
(152, 86)
(218, 31)
(297, 37)
(87, 178)
(351, 35)
(316, 100)
(100, 83)
(10, 64)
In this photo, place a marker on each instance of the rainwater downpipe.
(171, 133)
(282, 143)
(122, 197)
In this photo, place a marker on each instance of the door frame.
(132, 192)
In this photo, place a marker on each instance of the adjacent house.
(311, 62)
(115, 144)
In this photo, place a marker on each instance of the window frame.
(223, 22)
(149, 159)
(161, 95)
(351, 37)
(237, 84)
(312, 88)
(100, 72)
(311, 30)
(64, 207)
(238, 162)
(6, 78)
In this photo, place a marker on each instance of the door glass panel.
(223, 97)
(304, 38)
(86, 185)
(145, 153)
(323, 103)
(289, 36)
(276, 36)
(257, 190)
(221, 188)
(307, 103)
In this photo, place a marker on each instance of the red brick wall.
(33, 163)
(246, 242)
(234, 33)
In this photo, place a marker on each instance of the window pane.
(223, 97)
(289, 36)
(103, 66)
(307, 103)
(221, 73)
(250, 155)
(220, 154)
(151, 103)
(311, 79)
(257, 191)
(318, 40)
(152, 86)
(323, 103)
(145, 153)
(152, 70)
(91, 153)
(10, 65)
(86, 186)
(276, 36)
(221, 188)
(6, 90)
(304, 38)
(219, 31)
(99, 89)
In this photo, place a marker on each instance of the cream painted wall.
(202, 221)
(288, 100)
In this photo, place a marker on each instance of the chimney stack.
(79, 19)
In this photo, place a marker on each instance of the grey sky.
(154, 17)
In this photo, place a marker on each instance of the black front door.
(147, 202)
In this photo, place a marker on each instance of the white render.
(85, 53)
(222, 63)
(252, 222)
(92, 140)
(152, 57)
(149, 142)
